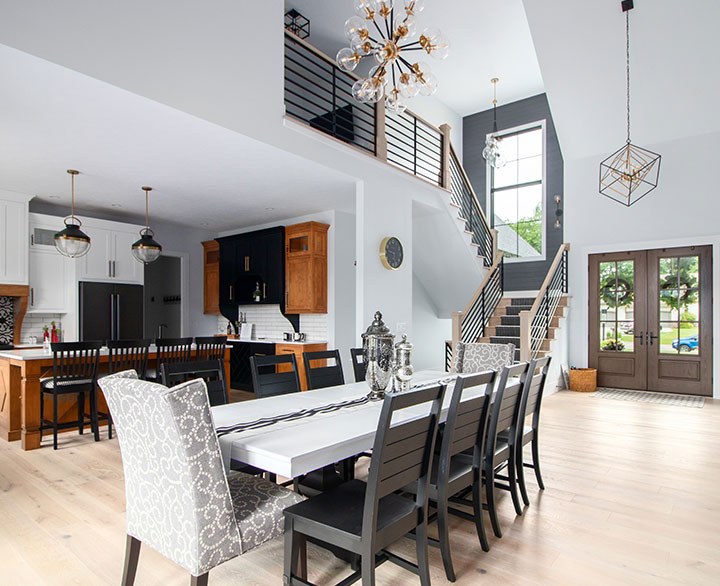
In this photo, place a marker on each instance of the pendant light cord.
(627, 63)
(72, 197)
(494, 106)
(147, 213)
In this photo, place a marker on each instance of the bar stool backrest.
(323, 376)
(267, 382)
(75, 361)
(128, 355)
(172, 350)
(210, 348)
(358, 362)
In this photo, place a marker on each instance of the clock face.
(391, 253)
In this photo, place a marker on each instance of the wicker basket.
(583, 380)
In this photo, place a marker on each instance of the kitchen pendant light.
(491, 152)
(631, 172)
(146, 250)
(72, 242)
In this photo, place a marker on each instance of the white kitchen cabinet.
(13, 238)
(127, 268)
(110, 257)
(50, 275)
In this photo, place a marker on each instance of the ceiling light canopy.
(631, 172)
(146, 250)
(384, 29)
(72, 242)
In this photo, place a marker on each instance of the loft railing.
(319, 94)
(463, 196)
(535, 324)
(469, 325)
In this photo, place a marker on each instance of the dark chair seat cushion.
(339, 511)
(258, 505)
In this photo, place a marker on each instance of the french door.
(650, 319)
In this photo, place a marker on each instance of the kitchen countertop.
(35, 353)
(274, 341)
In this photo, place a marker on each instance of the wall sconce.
(558, 212)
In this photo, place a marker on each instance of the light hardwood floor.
(633, 497)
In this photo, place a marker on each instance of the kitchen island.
(20, 396)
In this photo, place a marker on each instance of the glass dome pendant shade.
(146, 250)
(72, 242)
(492, 152)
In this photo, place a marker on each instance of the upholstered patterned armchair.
(179, 500)
(468, 358)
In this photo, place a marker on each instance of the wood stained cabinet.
(306, 268)
(211, 277)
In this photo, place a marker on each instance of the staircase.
(504, 324)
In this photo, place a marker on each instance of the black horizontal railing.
(319, 93)
(547, 303)
(415, 145)
(463, 196)
(478, 314)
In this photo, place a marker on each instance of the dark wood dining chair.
(365, 518)
(500, 447)
(169, 350)
(211, 371)
(358, 362)
(319, 377)
(268, 382)
(75, 370)
(210, 348)
(537, 377)
(457, 467)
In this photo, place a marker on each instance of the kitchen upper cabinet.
(211, 277)
(306, 267)
(50, 281)
(13, 239)
(110, 256)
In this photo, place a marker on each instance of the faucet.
(160, 329)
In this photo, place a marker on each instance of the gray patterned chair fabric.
(478, 357)
(179, 500)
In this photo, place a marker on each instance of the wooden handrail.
(470, 187)
(478, 292)
(551, 271)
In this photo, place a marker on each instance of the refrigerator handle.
(117, 316)
(112, 316)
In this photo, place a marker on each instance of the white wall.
(429, 331)
(682, 211)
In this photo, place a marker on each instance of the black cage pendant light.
(146, 250)
(631, 172)
(72, 242)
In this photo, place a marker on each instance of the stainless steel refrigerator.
(110, 312)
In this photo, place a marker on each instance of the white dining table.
(294, 448)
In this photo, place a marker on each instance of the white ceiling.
(52, 119)
(675, 78)
(489, 38)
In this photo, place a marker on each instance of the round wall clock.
(391, 253)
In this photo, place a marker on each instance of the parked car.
(686, 344)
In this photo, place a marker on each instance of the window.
(517, 193)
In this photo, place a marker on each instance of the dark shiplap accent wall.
(520, 276)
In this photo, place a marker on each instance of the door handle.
(247, 264)
(231, 292)
(117, 315)
(641, 336)
(32, 296)
(652, 337)
(113, 266)
(109, 268)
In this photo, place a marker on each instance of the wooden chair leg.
(367, 566)
(536, 461)
(490, 495)
(478, 514)
(521, 474)
(512, 481)
(199, 580)
(444, 538)
(421, 545)
(132, 554)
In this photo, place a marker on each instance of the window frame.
(489, 174)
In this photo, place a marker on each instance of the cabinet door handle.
(264, 290)
(109, 268)
(32, 296)
(112, 264)
(231, 292)
(247, 264)
(32, 239)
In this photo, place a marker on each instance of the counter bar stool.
(365, 518)
(170, 350)
(210, 348)
(75, 368)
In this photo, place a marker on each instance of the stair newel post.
(381, 150)
(482, 313)
(525, 336)
(445, 129)
(494, 243)
(456, 329)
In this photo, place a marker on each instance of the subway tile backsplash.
(33, 325)
(270, 323)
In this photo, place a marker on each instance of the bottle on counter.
(46, 335)
(54, 333)
(256, 294)
(229, 329)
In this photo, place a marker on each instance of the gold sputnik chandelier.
(383, 30)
